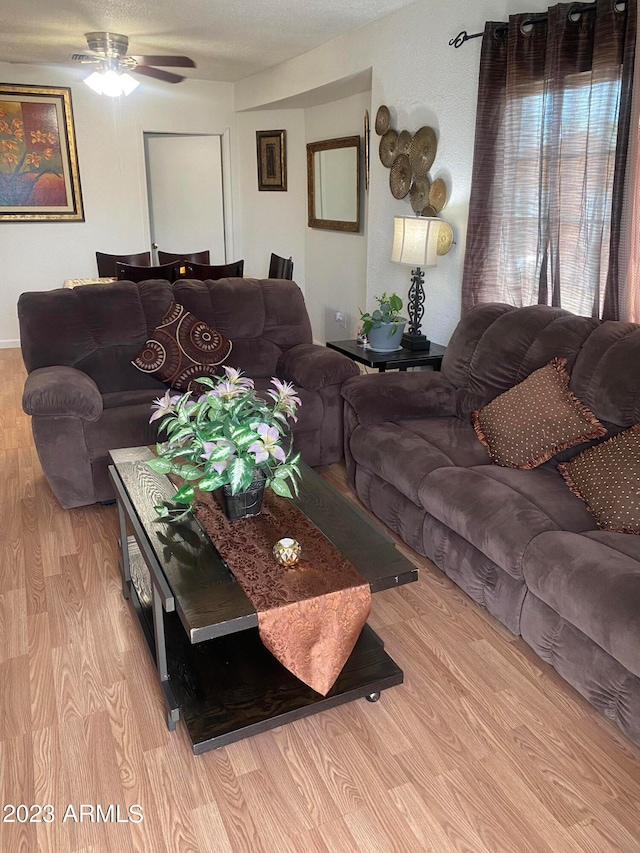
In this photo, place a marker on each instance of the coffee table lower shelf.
(231, 687)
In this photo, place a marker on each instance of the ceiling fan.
(110, 54)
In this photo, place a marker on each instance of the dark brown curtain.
(552, 131)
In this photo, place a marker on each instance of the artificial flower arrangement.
(226, 436)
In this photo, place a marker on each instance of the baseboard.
(9, 344)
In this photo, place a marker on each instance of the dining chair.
(107, 263)
(204, 272)
(130, 272)
(194, 257)
(281, 267)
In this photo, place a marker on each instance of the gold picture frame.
(271, 148)
(39, 176)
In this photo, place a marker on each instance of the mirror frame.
(328, 145)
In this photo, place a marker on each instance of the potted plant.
(228, 441)
(384, 327)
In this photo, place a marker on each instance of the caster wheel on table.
(373, 697)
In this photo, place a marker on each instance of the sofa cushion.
(607, 478)
(535, 419)
(182, 348)
(495, 346)
(592, 586)
(500, 510)
(404, 453)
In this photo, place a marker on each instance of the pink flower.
(221, 464)
(285, 397)
(227, 390)
(163, 405)
(267, 445)
(235, 377)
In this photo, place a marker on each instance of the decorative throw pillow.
(181, 349)
(607, 478)
(535, 419)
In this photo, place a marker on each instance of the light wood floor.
(483, 748)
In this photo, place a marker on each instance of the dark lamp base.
(416, 342)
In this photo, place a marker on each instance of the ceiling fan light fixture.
(111, 83)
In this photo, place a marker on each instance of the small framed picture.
(39, 177)
(272, 159)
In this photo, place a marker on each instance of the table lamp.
(415, 242)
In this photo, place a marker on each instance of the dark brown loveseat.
(86, 398)
(519, 542)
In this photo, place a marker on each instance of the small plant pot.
(245, 504)
(387, 337)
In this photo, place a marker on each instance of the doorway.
(185, 193)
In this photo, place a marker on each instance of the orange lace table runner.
(309, 615)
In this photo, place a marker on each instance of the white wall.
(40, 255)
(424, 81)
(271, 221)
(336, 261)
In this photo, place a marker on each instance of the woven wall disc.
(383, 120)
(445, 238)
(389, 148)
(419, 193)
(438, 194)
(423, 150)
(404, 142)
(400, 176)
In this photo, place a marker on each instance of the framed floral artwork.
(272, 159)
(39, 177)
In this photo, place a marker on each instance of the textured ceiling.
(228, 40)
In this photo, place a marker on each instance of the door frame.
(227, 194)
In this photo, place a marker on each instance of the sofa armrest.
(312, 367)
(380, 397)
(58, 390)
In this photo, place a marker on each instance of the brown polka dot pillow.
(607, 478)
(181, 349)
(535, 419)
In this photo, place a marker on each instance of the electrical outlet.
(340, 319)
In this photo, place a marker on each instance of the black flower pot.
(243, 504)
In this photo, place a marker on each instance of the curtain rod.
(464, 36)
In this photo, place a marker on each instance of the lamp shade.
(415, 240)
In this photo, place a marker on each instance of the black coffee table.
(400, 360)
(201, 628)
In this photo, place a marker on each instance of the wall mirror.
(333, 183)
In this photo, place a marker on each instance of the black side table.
(399, 360)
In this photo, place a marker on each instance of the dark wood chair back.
(107, 263)
(194, 257)
(281, 267)
(129, 272)
(203, 272)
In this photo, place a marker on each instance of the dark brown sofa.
(519, 542)
(86, 398)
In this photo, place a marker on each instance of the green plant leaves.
(211, 482)
(281, 488)
(184, 495)
(160, 465)
(395, 303)
(240, 474)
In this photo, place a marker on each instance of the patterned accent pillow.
(607, 478)
(535, 419)
(181, 349)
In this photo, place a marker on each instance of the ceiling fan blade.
(166, 76)
(165, 61)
